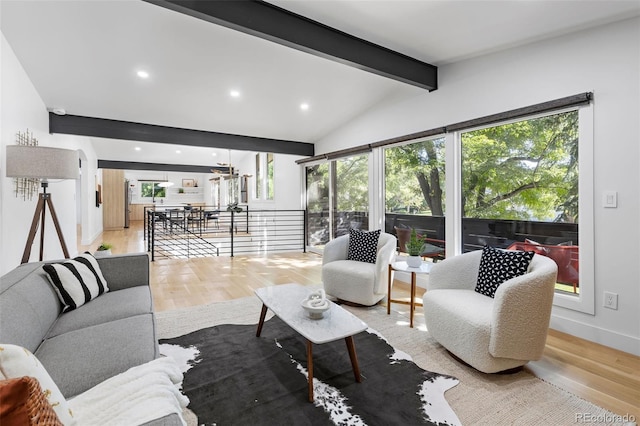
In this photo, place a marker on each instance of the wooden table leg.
(389, 291)
(354, 358)
(263, 314)
(413, 298)
(310, 368)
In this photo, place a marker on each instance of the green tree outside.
(526, 170)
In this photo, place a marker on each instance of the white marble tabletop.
(425, 267)
(285, 302)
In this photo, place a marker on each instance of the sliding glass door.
(414, 180)
(318, 209)
(351, 194)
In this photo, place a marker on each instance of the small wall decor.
(188, 183)
(99, 195)
(26, 187)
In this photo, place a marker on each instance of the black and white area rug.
(235, 378)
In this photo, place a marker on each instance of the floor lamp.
(43, 163)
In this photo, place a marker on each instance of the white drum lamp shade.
(41, 162)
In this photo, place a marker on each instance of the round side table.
(402, 266)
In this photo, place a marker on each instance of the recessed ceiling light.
(143, 74)
(213, 154)
(234, 94)
(304, 106)
(178, 151)
(137, 148)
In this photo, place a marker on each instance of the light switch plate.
(610, 199)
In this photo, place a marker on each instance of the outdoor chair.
(567, 257)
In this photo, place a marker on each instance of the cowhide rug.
(233, 377)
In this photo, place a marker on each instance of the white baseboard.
(91, 239)
(610, 338)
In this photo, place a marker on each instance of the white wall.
(287, 185)
(22, 109)
(199, 194)
(605, 60)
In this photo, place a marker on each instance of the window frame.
(153, 197)
(585, 300)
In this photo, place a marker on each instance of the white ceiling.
(82, 56)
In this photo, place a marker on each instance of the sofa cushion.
(16, 361)
(28, 306)
(76, 281)
(350, 280)
(112, 306)
(498, 266)
(363, 246)
(80, 359)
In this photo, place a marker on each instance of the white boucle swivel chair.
(490, 334)
(357, 282)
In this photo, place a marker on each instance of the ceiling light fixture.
(137, 148)
(304, 106)
(143, 74)
(178, 151)
(166, 183)
(234, 94)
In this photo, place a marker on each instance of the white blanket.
(139, 395)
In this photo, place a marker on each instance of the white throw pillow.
(16, 361)
(76, 281)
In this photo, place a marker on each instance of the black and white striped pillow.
(76, 281)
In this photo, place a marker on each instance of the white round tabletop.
(425, 267)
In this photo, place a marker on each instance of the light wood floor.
(604, 376)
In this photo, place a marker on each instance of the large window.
(317, 191)
(520, 190)
(414, 193)
(518, 182)
(259, 177)
(351, 194)
(337, 198)
(270, 176)
(265, 176)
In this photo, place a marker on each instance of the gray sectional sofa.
(88, 345)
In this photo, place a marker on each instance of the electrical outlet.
(610, 300)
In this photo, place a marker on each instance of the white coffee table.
(424, 268)
(337, 323)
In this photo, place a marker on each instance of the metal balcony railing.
(186, 232)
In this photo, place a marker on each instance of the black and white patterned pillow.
(76, 281)
(363, 246)
(498, 266)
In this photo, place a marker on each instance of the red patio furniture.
(566, 257)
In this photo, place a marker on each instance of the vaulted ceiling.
(84, 56)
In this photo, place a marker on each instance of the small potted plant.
(234, 207)
(414, 249)
(103, 250)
